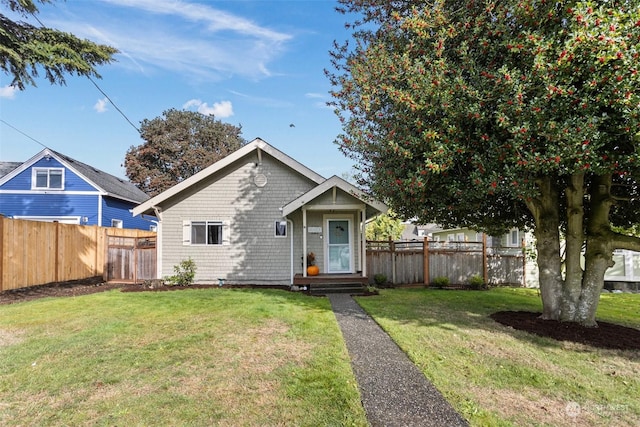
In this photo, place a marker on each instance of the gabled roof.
(108, 184)
(257, 145)
(6, 167)
(337, 182)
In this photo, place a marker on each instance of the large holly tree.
(494, 114)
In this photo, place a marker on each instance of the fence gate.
(131, 259)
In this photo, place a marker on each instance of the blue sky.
(258, 64)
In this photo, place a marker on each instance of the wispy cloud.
(265, 102)
(218, 109)
(321, 100)
(194, 39)
(101, 105)
(8, 92)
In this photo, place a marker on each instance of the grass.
(267, 358)
(190, 357)
(497, 376)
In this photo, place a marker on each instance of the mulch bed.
(606, 335)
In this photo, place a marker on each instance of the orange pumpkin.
(313, 270)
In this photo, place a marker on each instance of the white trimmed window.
(117, 223)
(281, 228)
(514, 237)
(47, 179)
(205, 233)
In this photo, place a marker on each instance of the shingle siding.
(254, 254)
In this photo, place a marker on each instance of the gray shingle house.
(252, 217)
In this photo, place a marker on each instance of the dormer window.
(47, 179)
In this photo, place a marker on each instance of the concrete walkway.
(394, 391)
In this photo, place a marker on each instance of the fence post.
(57, 246)
(485, 269)
(425, 262)
(524, 263)
(392, 247)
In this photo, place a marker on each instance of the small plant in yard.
(185, 272)
(380, 279)
(476, 281)
(372, 290)
(440, 282)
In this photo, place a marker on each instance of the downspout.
(158, 212)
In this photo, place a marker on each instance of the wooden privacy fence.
(413, 262)
(35, 253)
(130, 259)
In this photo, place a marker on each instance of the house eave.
(374, 207)
(257, 145)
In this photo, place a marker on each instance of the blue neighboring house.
(53, 187)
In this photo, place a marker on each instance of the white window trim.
(186, 232)
(514, 232)
(117, 223)
(280, 222)
(34, 173)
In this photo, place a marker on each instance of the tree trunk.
(574, 240)
(599, 253)
(598, 258)
(547, 220)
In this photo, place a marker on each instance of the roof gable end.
(257, 145)
(101, 181)
(328, 184)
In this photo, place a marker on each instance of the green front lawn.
(255, 358)
(189, 357)
(496, 376)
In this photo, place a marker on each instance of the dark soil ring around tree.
(606, 335)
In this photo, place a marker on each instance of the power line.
(19, 131)
(97, 87)
(112, 103)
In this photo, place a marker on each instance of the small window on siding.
(47, 179)
(117, 223)
(514, 238)
(205, 232)
(281, 228)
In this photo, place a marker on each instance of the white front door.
(339, 250)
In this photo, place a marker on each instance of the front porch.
(323, 284)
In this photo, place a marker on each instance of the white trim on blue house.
(85, 191)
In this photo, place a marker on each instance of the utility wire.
(112, 103)
(97, 87)
(19, 131)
